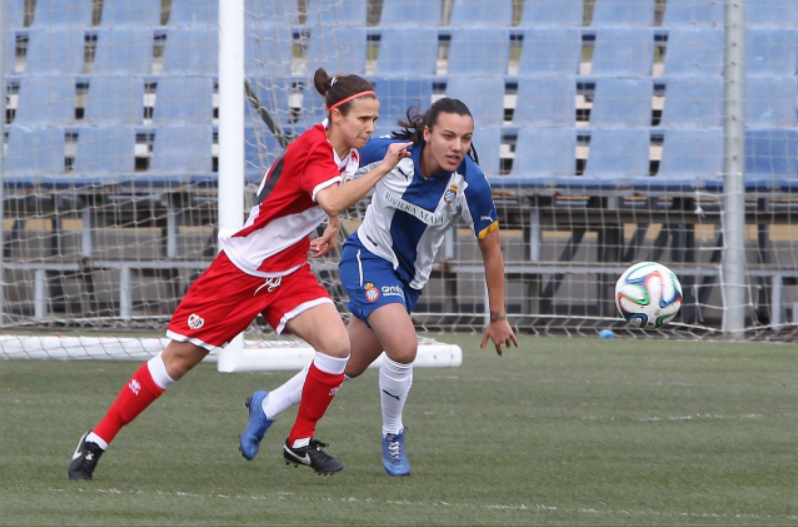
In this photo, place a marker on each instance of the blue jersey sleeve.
(375, 150)
(479, 202)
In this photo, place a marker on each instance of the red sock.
(317, 394)
(139, 392)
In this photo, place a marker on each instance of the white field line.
(532, 508)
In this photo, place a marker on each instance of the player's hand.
(396, 152)
(326, 242)
(500, 332)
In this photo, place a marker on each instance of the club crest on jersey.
(450, 194)
(195, 321)
(372, 293)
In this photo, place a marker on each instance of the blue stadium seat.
(52, 14)
(261, 148)
(545, 101)
(551, 51)
(770, 160)
(104, 155)
(136, 13)
(191, 51)
(694, 52)
(181, 154)
(324, 13)
(623, 52)
(770, 102)
(398, 94)
(183, 100)
(337, 49)
(694, 102)
(484, 96)
(401, 13)
(13, 14)
(114, 101)
(123, 51)
(771, 52)
(487, 141)
(268, 50)
(690, 159)
(482, 13)
(313, 109)
(623, 13)
(34, 156)
(771, 13)
(408, 52)
(542, 157)
(622, 103)
(616, 157)
(267, 13)
(45, 101)
(9, 52)
(190, 13)
(479, 52)
(274, 95)
(694, 13)
(55, 52)
(539, 13)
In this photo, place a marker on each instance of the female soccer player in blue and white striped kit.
(387, 261)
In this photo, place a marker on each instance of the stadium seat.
(401, 13)
(183, 100)
(694, 102)
(323, 13)
(45, 101)
(484, 96)
(694, 52)
(623, 13)
(545, 101)
(271, 13)
(190, 13)
(770, 102)
(398, 94)
(694, 13)
(770, 160)
(771, 52)
(268, 50)
(487, 142)
(123, 51)
(53, 14)
(136, 13)
(337, 49)
(482, 13)
(539, 13)
(479, 52)
(9, 52)
(114, 101)
(261, 148)
(616, 157)
(690, 158)
(771, 13)
(274, 95)
(13, 14)
(551, 51)
(34, 155)
(542, 157)
(191, 51)
(623, 52)
(407, 52)
(104, 155)
(181, 154)
(55, 52)
(622, 103)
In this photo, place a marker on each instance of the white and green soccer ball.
(648, 295)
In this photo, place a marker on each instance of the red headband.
(355, 96)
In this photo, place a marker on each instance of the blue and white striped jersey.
(408, 214)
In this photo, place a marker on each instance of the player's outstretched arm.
(498, 330)
(337, 198)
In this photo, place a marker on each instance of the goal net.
(599, 123)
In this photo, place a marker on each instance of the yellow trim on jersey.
(490, 228)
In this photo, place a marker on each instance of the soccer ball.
(648, 295)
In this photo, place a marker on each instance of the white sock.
(395, 382)
(285, 396)
(99, 441)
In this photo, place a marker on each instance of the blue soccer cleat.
(257, 426)
(393, 455)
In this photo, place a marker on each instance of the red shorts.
(224, 300)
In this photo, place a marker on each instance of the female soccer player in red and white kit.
(263, 269)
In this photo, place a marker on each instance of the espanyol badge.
(450, 194)
(372, 293)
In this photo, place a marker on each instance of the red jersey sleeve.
(320, 169)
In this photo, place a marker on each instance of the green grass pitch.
(558, 432)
